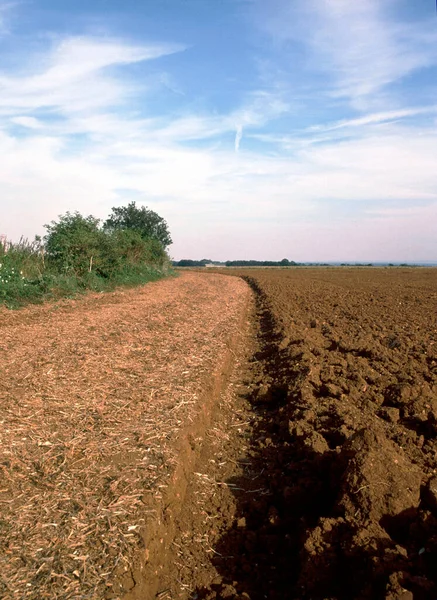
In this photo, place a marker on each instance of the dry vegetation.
(94, 394)
(316, 475)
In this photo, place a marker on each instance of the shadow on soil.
(290, 486)
(284, 490)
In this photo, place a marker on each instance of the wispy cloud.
(238, 137)
(28, 122)
(77, 131)
(360, 47)
(5, 10)
(375, 118)
(74, 76)
(367, 49)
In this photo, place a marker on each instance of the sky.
(299, 129)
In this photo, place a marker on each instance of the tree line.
(235, 263)
(261, 263)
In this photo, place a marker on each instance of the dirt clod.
(431, 493)
(378, 480)
(390, 414)
(349, 505)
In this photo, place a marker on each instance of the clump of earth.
(344, 386)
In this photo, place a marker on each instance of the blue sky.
(304, 129)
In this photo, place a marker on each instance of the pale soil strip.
(94, 394)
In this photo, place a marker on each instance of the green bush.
(131, 249)
(143, 220)
(77, 255)
(76, 245)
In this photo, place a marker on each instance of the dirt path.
(102, 401)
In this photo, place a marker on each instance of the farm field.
(343, 387)
(101, 401)
(270, 434)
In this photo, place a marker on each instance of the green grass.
(26, 278)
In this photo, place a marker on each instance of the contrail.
(238, 137)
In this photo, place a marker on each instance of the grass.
(25, 277)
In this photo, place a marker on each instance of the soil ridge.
(345, 511)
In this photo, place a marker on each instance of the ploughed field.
(343, 386)
(193, 440)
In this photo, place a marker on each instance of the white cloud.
(238, 137)
(381, 117)
(74, 76)
(29, 122)
(213, 187)
(360, 46)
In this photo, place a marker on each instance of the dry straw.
(93, 395)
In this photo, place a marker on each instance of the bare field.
(156, 446)
(344, 392)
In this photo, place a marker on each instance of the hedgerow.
(77, 254)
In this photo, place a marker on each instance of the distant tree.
(186, 262)
(260, 263)
(143, 220)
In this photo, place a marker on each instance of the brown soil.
(102, 402)
(294, 460)
(343, 443)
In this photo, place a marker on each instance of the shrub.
(143, 220)
(132, 249)
(78, 254)
(76, 245)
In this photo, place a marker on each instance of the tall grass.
(21, 271)
(26, 276)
